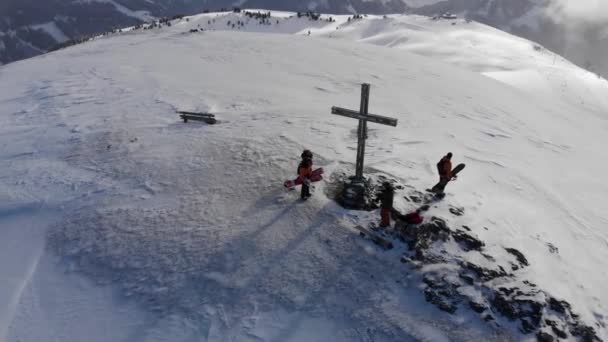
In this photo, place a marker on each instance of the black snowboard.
(439, 187)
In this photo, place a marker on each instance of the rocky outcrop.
(493, 290)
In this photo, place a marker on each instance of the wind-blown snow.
(189, 228)
(141, 15)
(53, 30)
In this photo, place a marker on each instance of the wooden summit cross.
(363, 116)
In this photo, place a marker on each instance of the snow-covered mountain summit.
(120, 222)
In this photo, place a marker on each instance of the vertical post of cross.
(354, 192)
(362, 132)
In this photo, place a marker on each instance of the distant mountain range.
(31, 27)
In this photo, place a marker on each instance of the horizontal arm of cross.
(379, 119)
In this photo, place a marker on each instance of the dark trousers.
(385, 217)
(305, 191)
(440, 187)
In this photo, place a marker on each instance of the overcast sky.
(583, 11)
(585, 38)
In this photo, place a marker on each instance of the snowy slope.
(470, 45)
(159, 230)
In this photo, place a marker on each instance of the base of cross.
(354, 194)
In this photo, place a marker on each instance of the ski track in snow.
(184, 231)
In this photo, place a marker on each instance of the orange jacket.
(446, 169)
(304, 172)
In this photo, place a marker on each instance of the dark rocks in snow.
(484, 274)
(552, 248)
(558, 306)
(542, 336)
(483, 284)
(488, 318)
(467, 242)
(488, 257)
(556, 330)
(366, 194)
(467, 278)
(414, 198)
(477, 307)
(497, 292)
(441, 293)
(516, 305)
(584, 333)
(457, 211)
(433, 297)
(519, 256)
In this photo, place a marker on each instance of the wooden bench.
(208, 118)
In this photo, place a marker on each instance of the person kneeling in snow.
(413, 218)
(304, 172)
(386, 201)
(407, 223)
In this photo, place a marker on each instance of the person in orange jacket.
(444, 168)
(304, 172)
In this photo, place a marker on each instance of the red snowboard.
(316, 176)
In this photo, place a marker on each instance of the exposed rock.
(584, 333)
(484, 273)
(415, 199)
(457, 211)
(559, 333)
(468, 242)
(434, 298)
(556, 330)
(477, 307)
(518, 255)
(497, 291)
(552, 248)
(467, 278)
(558, 305)
(489, 257)
(542, 336)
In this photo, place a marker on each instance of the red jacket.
(413, 218)
(445, 169)
(305, 171)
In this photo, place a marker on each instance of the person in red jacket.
(304, 172)
(444, 168)
(414, 217)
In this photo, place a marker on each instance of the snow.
(53, 30)
(119, 222)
